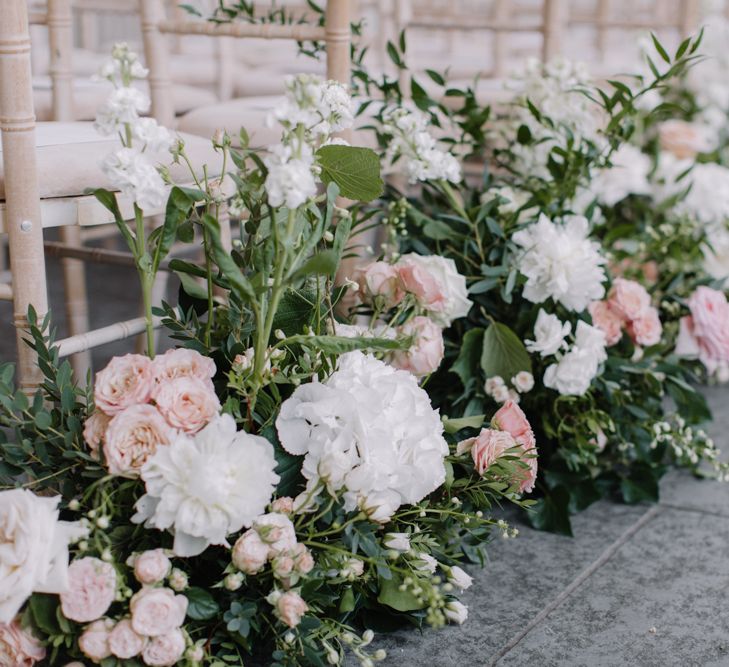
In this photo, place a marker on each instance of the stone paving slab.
(660, 600)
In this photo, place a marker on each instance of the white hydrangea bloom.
(628, 175)
(411, 142)
(561, 262)
(205, 487)
(368, 431)
(134, 176)
(573, 374)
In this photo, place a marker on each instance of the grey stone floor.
(637, 586)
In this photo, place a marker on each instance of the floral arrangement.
(279, 485)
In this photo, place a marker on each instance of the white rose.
(572, 375)
(459, 578)
(427, 564)
(549, 334)
(591, 339)
(397, 541)
(33, 549)
(456, 611)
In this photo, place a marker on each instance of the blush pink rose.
(250, 552)
(303, 560)
(682, 139)
(486, 447)
(94, 641)
(290, 608)
(164, 650)
(629, 299)
(182, 362)
(425, 354)
(133, 436)
(19, 648)
(91, 590)
(511, 418)
(647, 329)
(124, 643)
(95, 430)
(528, 477)
(709, 326)
(125, 381)
(607, 320)
(418, 281)
(187, 403)
(152, 566)
(380, 279)
(157, 611)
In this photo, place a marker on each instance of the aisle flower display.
(272, 489)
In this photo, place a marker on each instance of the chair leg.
(76, 300)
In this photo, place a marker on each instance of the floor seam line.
(694, 510)
(604, 557)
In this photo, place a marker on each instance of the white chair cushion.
(68, 157)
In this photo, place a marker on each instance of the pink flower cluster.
(628, 307)
(18, 647)
(153, 629)
(705, 333)
(511, 429)
(142, 404)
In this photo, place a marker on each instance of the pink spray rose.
(418, 281)
(277, 531)
(133, 437)
(425, 354)
(94, 641)
(250, 552)
(124, 643)
(283, 505)
(124, 382)
(290, 607)
(380, 279)
(152, 566)
(19, 648)
(607, 320)
(187, 403)
(95, 430)
(164, 650)
(303, 560)
(182, 362)
(706, 331)
(91, 590)
(157, 611)
(647, 329)
(628, 298)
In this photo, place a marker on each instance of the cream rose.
(425, 354)
(290, 608)
(283, 505)
(124, 382)
(94, 641)
(250, 552)
(380, 279)
(33, 548)
(157, 611)
(164, 650)
(152, 566)
(187, 403)
(95, 430)
(182, 362)
(19, 648)
(91, 590)
(124, 643)
(277, 531)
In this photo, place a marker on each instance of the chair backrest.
(156, 26)
(22, 201)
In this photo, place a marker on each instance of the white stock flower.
(411, 142)
(134, 176)
(153, 136)
(561, 262)
(628, 175)
(124, 105)
(368, 430)
(207, 486)
(290, 181)
(33, 549)
(549, 334)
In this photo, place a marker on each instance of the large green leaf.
(503, 353)
(355, 170)
(201, 605)
(466, 366)
(392, 596)
(457, 424)
(238, 282)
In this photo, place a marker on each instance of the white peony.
(134, 176)
(628, 175)
(368, 430)
(561, 262)
(203, 488)
(33, 549)
(549, 334)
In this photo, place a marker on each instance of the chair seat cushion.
(68, 157)
(89, 95)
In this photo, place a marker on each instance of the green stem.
(146, 278)
(457, 204)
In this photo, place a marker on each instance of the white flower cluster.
(576, 364)
(627, 175)
(521, 383)
(207, 486)
(561, 262)
(129, 168)
(368, 430)
(411, 141)
(556, 89)
(312, 111)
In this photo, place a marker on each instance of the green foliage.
(503, 354)
(355, 170)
